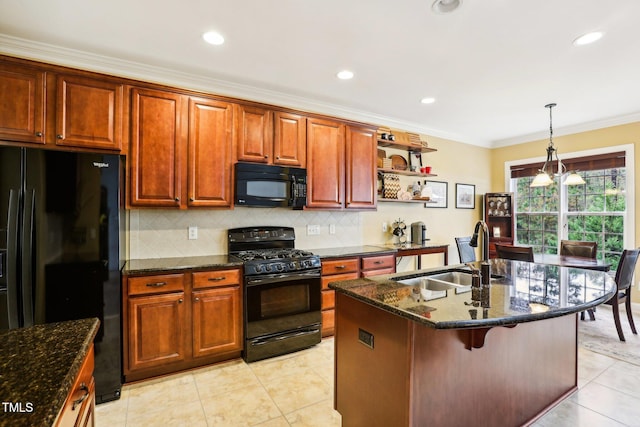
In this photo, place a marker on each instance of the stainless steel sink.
(433, 286)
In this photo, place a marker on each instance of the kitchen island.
(408, 354)
(39, 371)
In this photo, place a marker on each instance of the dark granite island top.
(501, 358)
(522, 292)
(38, 366)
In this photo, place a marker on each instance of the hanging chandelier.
(546, 174)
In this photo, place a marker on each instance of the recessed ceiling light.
(445, 6)
(588, 38)
(213, 37)
(428, 100)
(345, 75)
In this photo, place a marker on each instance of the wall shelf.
(405, 172)
(413, 148)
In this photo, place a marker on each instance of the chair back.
(518, 253)
(465, 251)
(579, 248)
(626, 268)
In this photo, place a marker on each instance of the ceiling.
(492, 65)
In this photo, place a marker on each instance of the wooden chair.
(579, 248)
(465, 251)
(624, 280)
(518, 253)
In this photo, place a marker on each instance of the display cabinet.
(498, 214)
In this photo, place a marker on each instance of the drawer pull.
(156, 284)
(378, 262)
(340, 267)
(84, 387)
(216, 279)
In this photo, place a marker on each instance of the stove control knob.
(279, 267)
(292, 265)
(268, 267)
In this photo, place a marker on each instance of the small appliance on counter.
(418, 233)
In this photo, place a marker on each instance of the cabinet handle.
(277, 157)
(156, 284)
(216, 279)
(177, 199)
(180, 301)
(196, 299)
(340, 267)
(84, 387)
(378, 262)
(60, 136)
(38, 133)
(266, 156)
(191, 199)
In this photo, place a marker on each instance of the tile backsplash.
(163, 233)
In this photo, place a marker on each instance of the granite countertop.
(523, 292)
(157, 265)
(352, 251)
(38, 366)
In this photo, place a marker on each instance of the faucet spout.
(485, 239)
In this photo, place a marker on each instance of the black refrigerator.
(60, 258)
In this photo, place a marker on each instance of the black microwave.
(270, 186)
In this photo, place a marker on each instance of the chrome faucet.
(485, 239)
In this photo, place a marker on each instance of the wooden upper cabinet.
(325, 164)
(156, 148)
(290, 140)
(361, 168)
(89, 113)
(22, 107)
(254, 134)
(210, 155)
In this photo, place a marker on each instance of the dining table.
(572, 261)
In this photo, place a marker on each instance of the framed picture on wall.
(439, 194)
(465, 196)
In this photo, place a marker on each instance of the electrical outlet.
(332, 229)
(384, 227)
(313, 230)
(193, 233)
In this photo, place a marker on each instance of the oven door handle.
(284, 277)
(263, 341)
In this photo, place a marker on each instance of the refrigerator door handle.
(28, 229)
(12, 261)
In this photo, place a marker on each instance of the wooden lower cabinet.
(178, 321)
(79, 407)
(335, 270)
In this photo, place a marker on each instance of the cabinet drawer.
(208, 279)
(336, 278)
(339, 266)
(81, 394)
(378, 262)
(377, 272)
(156, 284)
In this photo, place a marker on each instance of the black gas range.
(282, 289)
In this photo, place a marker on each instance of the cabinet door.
(22, 119)
(210, 153)
(217, 321)
(254, 134)
(156, 141)
(290, 140)
(89, 113)
(157, 330)
(361, 169)
(325, 164)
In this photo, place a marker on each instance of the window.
(595, 211)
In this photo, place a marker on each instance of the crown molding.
(43, 52)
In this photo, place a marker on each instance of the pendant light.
(545, 175)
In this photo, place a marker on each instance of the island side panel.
(519, 373)
(372, 385)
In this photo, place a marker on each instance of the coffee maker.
(418, 233)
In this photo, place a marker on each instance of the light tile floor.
(297, 390)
